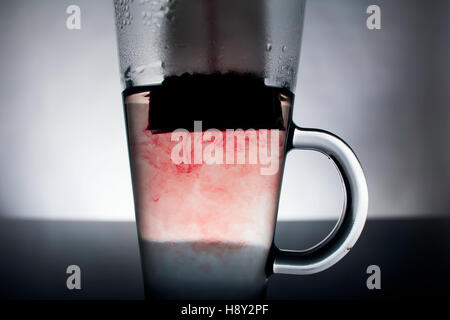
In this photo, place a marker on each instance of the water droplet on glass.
(283, 48)
(170, 16)
(268, 47)
(140, 69)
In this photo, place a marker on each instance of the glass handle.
(351, 223)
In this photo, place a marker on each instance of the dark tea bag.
(220, 101)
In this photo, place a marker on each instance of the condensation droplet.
(268, 47)
(170, 16)
(283, 48)
(140, 69)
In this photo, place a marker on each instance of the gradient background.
(386, 92)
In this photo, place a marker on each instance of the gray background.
(385, 92)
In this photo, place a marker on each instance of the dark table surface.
(414, 257)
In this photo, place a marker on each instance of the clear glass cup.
(208, 96)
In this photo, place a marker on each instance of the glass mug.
(208, 103)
